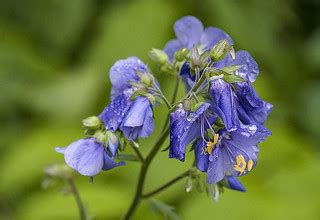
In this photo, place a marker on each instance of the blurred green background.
(54, 61)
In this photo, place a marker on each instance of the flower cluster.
(225, 124)
(221, 117)
(129, 112)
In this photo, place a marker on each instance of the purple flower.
(186, 127)
(223, 103)
(133, 118)
(138, 121)
(190, 32)
(234, 154)
(251, 109)
(89, 157)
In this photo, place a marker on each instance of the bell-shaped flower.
(186, 126)
(223, 103)
(89, 157)
(133, 117)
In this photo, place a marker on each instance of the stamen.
(249, 165)
(210, 145)
(240, 165)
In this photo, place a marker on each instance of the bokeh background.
(54, 61)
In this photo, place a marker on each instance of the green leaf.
(158, 207)
(231, 69)
(137, 93)
(230, 78)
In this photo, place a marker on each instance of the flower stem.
(143, 171)
(75, 193)
(166, 185)
(147, 160)
(139, 155)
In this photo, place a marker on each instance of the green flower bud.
(181, 54)
(220, 50)
(187, 105)
(92, 122)
(158, 56)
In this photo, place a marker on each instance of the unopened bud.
(195, 57)
(158, 56)
(220, 50)
(181, 54)
(92, 122)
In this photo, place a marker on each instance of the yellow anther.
(240, 165)
(215, 138)
(209, 148)
(249, 165)
(210, 145)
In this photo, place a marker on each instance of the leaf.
(231, 69)
(158, 207)
(230, 78)
(128, 157)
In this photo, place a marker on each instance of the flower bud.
(92, 122)
(220, 50)
(187, 105)
(195, 58)
(158, 56)
(181, 54)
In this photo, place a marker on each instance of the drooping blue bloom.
(190, 32)
(133, 118)
(138, 121)
(186, 127)
(251, 108)
(89, 157)
(234, 154)
(223, 103)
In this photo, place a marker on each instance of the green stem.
(140, 156)
(75, 193)
(173, 99)
(166, 185)
(143, 171)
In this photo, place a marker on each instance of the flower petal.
(139, 121)
(124, 71)
(108, 163)
(148, 124)
(219, 160)
(202, 160)
(233, 183)
(113, 114)
(85, 156)
(184, 128)
(212, 35)
(136, 114)
(188, 30)
(224, 104)
(251, 109)
(171, 47)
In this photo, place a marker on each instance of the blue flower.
(251, 108)
(223, 103)
(89, 157)
(233, 154)
(185, 127)
(133, 118)
(190, 32)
